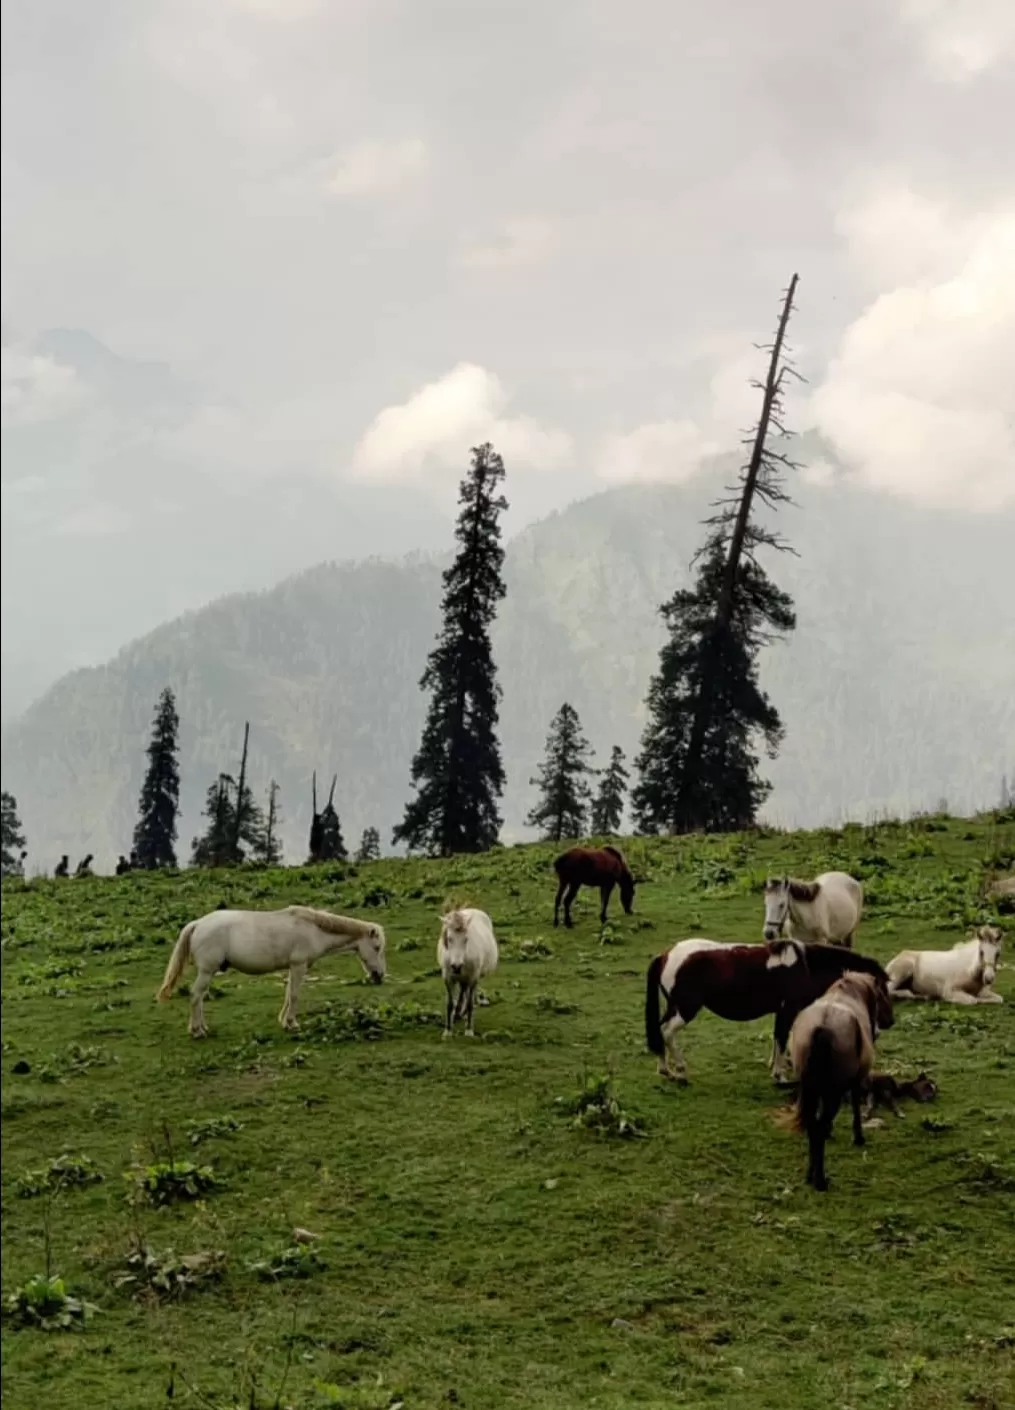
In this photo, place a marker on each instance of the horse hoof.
(469, 1033)
(446, 1034)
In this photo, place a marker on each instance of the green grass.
(475, 1247)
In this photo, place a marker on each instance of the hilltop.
(895, 690)
(472, 1245)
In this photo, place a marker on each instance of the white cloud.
(522, 242)
(36, 388)
(920, 398)
(662, 450)
(94, 521)
(374, 168)
(439, 423)
(963, 38)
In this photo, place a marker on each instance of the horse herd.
(829, 1003)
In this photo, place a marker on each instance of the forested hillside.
(897, 689)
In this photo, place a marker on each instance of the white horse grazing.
(466, 951)
(961, 975)
(260, 942)
(825, 911)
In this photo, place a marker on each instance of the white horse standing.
(961, 975)
(466, 951)
(260, 942)
(825, 911)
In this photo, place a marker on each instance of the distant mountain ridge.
(895, 690)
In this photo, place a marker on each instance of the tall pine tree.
(457, 771)
(155, 833)
(698, 766)
(369, 849)
(608, 808)
(563, 780)
(235, 822)
(13, 850)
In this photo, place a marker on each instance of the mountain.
(897, 689)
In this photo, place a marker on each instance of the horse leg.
(780, 1036)
(605, 892)
(561, 888)
(450, 1008)
(958, 996)
(297, 974)
(816, 1137)
(572, 891)
(470, 1004)
(672, 1065)
(856, 1095)
(987, 996)
(198, 1027)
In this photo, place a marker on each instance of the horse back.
(734, 982)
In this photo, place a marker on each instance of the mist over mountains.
(897, 689)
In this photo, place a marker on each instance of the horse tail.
(653, 1025)
(560, 862)
(178, 962)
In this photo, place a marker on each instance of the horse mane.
(804, 890)
(616, 852)
(838, 958)
(334, 925)
(454, 919)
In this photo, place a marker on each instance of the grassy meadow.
(474, 1246)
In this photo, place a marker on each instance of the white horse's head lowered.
(990, 938)
(371, 948)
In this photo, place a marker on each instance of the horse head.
(370, 949)
(990, 938)
(776, 907)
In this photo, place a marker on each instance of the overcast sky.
(356, 238)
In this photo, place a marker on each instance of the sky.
(271, 267)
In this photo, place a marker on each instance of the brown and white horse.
(605, 867)
(740, 982)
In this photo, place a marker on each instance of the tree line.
(698, 768)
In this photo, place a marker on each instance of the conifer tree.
(155, 833)
(215, 847)
(608, 808)
(698, 767)
(268, 847)
(562, 781)
(369, 849)
(457, 771)
(13, 839)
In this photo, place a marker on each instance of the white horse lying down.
(259, 942)
(825, 911)
(961, 975)
(466, 951)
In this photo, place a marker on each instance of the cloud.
(920, 399)
(662, 450)
(963, 38)
(523, 241)
(440, 422)
(374, 168)
(93, 521)
(36, 388)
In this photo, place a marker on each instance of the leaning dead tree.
(735, 524)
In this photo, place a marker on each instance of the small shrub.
(531, 950)
(75, 1059)
(45, 1304)
(212, 1127)
(296, 1261)
(66, 1172)
(171, 1182)
(549, 1003)
(597, 1109)
(167, 1276)
(368, 1022)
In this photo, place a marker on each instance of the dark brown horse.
(743, 982)
(605, 867)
